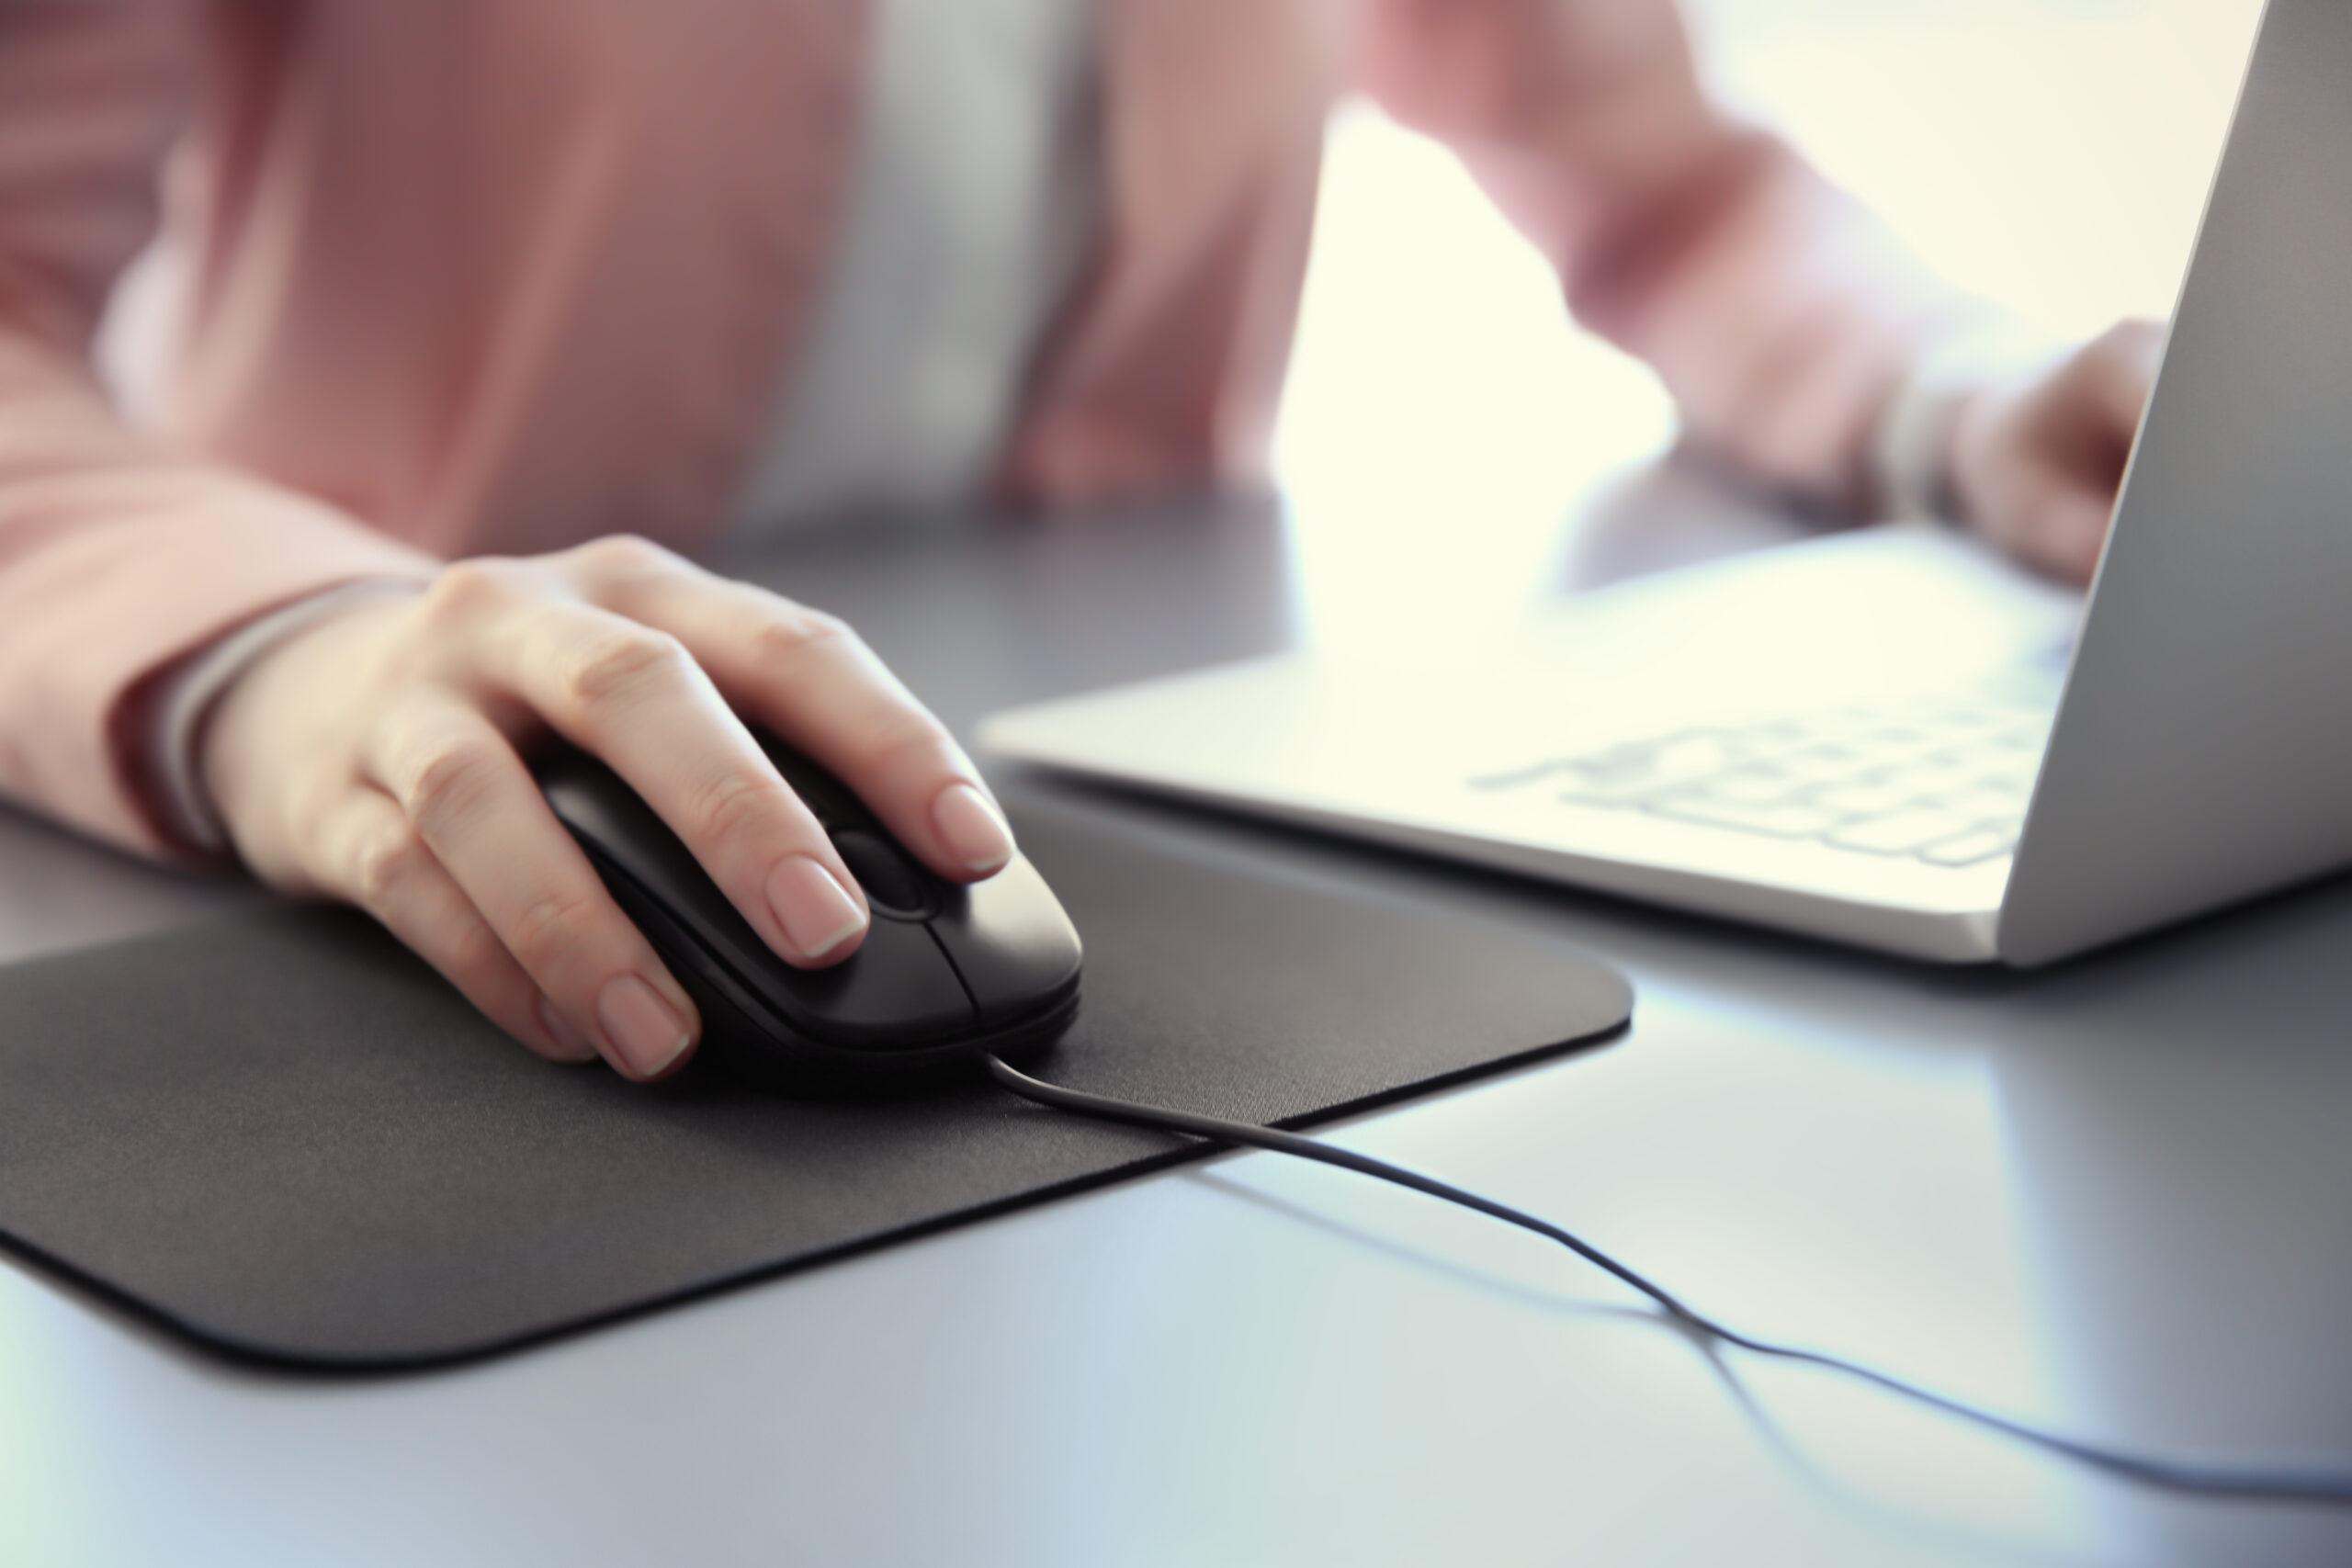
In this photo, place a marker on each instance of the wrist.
(1911, 453)
(1916, 444)
(217, 678)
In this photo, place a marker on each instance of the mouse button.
(582, 792)
(897, 989)
(1010, 941)
(603, 812)
(642, 861)
(894, 885)
(828, 800)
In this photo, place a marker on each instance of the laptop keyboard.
(1943, 779)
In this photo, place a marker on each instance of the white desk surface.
(2110, 1196)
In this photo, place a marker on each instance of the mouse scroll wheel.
(893, 884)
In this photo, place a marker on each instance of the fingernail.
(641, 1026)
(971, 826)
(576, 1045)
(817, 913)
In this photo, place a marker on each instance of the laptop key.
(1830, 762)
(1885, 779)
(1923, 780)
(1988, 805)
(1861, 799)
(1898, 834)
(1779, 821)
(1968, 849)
(1755, 783)
(1625, 774)
(2028, 737)
(1958, 720)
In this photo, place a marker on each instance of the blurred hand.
(2035, 463)
(374, 757)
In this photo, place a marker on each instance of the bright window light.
(1442, 414)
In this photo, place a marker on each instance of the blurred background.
(1443, 416)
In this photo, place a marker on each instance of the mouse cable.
(2171, 1475)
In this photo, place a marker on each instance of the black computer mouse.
(947, 974)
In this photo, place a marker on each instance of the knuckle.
(787, 636)
(468, 590)
(310, 808)
(735, 801)
(899, 736)
(550, 929)
(623, 558)
(383, 861)
(447, 780)
(621, 662)
(476, 960)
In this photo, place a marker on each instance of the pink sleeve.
(118, 554)
(1779, 313)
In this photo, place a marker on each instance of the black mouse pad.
(283, 1136)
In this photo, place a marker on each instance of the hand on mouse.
(373, 757)
(2035, 462)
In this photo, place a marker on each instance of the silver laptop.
(1892, 738)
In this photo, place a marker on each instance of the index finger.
(2121, 367)
(812, 679)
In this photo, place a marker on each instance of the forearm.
(119, 553)
(117, 557)
(166, 721)
(1777, 312)
(1782, 318)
